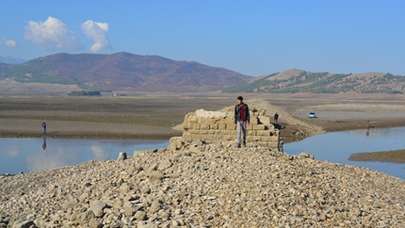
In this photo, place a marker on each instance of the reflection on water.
(28, 154)
(31, 154)
(44, 143)
(338, 146)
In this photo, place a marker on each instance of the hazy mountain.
(294, 80)
(122, 71)
(11, 60)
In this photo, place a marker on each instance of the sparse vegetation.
(298, 81)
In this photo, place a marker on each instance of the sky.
(252, 37)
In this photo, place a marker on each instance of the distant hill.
(11, 60)
(122, 71)
(295, 81)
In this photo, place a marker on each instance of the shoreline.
(69, 135)
(353, 128)
(166, 136)
(390, 156)
(363, 125)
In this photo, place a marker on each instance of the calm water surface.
(338, 146)
(32, 154)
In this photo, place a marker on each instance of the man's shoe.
(238, 145)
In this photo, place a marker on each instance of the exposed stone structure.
(219, 126)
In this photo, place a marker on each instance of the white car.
(312, 115)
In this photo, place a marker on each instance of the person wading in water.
(242, 119)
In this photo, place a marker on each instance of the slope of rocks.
(204, 185)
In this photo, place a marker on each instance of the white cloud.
(52, 33)
(97, 32)
(10, 43)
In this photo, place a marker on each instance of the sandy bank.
(397, 156)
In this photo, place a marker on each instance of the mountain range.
(145, 73)
(300, 81)
(122, 71)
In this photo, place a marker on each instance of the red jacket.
(242, 112)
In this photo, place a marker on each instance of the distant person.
(43, 128)
(275, 118)
(242, 119)
(368, 128)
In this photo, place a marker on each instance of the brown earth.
(154, 115)
(338, 112)
(105, 117)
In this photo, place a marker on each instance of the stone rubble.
(198, 184)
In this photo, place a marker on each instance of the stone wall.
(219, 126)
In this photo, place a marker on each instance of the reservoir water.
(33, 154)
(338, 146)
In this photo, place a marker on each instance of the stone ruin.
(219, 126)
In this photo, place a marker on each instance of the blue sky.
(252, 37)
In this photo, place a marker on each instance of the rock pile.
(219, 126)
(204, 185)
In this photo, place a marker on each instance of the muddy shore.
(153, 117)
(396, 156)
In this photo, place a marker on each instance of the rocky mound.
(204, 185)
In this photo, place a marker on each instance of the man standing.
(242, 119)
(276, 118)
(43, 128)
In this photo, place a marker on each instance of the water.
(338, 146)
(32, 154)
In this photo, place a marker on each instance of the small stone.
(155, 206)
(164, 165)
(178, 211)
(95, 223)
(124, 188)
(24, 224)
(97, 208)
(155, 176)
(140, 215)
(164, 215)
(305, 155)
(129, 209)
